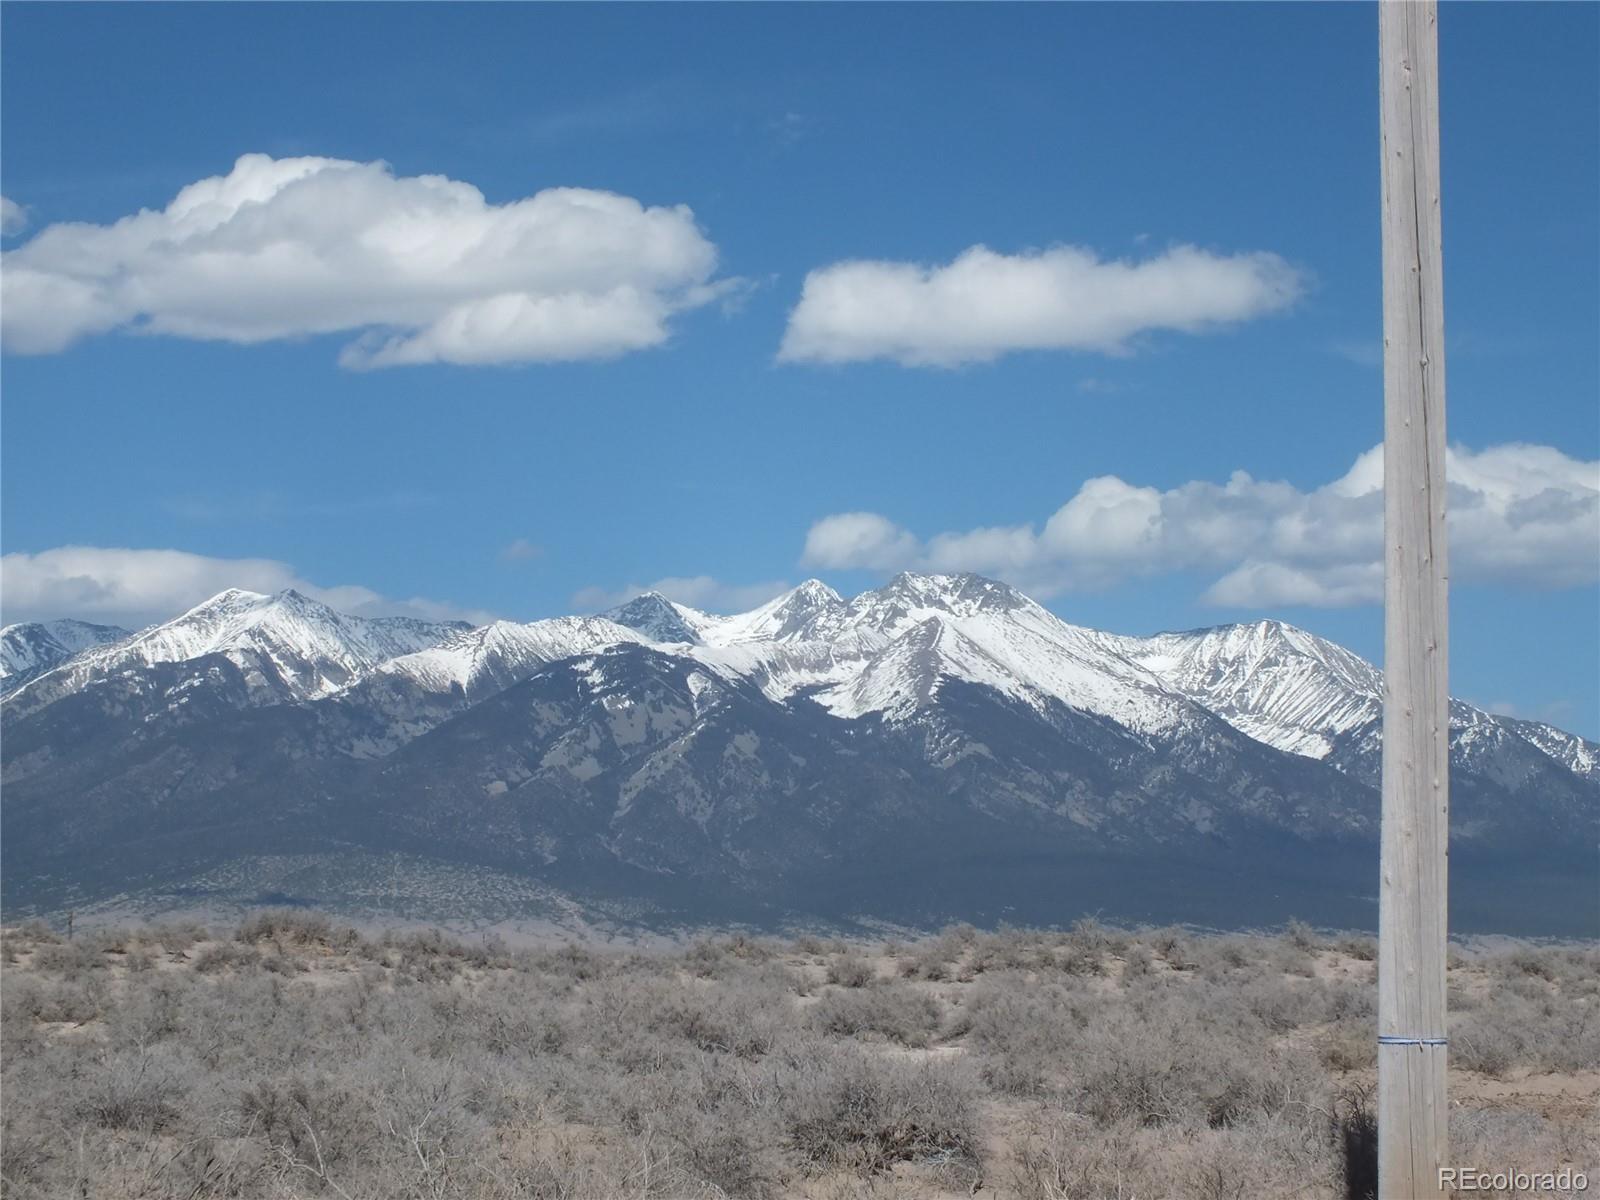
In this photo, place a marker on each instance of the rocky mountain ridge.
(772, 762)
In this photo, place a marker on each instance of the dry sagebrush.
(296, 1058)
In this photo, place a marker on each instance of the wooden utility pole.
(1416, 707)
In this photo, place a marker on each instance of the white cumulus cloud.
(13, 217)
(859, 539)
(985, 304)
(421, 268)
(134, 587)
(696, 591)
(1518, 514)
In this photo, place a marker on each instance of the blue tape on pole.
(1389, 1039)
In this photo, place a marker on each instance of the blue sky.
(683, 447)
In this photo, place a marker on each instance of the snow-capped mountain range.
(289, 647)
(759, 759)
(31, 649)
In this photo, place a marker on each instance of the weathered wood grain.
(1412, 1143)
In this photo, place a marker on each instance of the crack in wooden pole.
(1412, 932)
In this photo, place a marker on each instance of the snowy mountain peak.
(492, 657)
(962, 595)
(806, 613)
(660, 620)
(888, 650)
(227, 601)
(906, 676)
(289, 598)
(814, 591)
(1278, 684)
(32, 647)
(287, 645)
(235, 604)
(1257, 645)
(909, 598)
(229, 616)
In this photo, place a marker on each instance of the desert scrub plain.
(296, 1058)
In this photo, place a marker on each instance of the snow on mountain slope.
(805, 614)
(1280, 685)
(884, 651)
(34, 646)
(492, 657)
(936, 720)
(793, 643)
(289, 646)
(906, 675)
(887, 649)
(909, 599)
(1018, 655)
(784, 646)
(781, 669)
(975, 629)
(661, 620)
(1305, 695)
(1577, 755)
